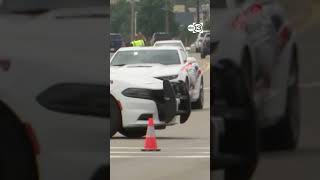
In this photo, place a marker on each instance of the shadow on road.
(200, 110)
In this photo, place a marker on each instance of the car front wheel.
(115, 117)
(16, 155)
(200, 101)
(133, 132)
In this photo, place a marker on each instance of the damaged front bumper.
(170, 101)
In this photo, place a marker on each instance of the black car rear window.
(162, 36)
(116, 37)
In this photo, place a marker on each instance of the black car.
(116, 42)
(205, 49)
(159, 36)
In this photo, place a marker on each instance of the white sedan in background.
(173, 43)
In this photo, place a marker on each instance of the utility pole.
(132, 19)
(167, 15)
(198, 11)
(135, 22)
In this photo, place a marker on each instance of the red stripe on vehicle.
(32, 137)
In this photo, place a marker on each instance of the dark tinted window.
(162, 36)
(116, 37)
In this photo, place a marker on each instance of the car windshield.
(169, 44)
(165, 57)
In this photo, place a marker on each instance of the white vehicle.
(147, 68)
(53, 104)
(200, 39)
(174, 43)
(256, 76)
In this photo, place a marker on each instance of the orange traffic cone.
(150, 143)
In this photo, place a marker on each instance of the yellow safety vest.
(137, 43)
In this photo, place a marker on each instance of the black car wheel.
(241, 137)
(133, 132)
(16, 153)
(200, 101)
(115, 117)
(202, 55)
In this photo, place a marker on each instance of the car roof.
(149, 48)
(169, 41)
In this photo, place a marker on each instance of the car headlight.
(171, 77)
(138, 93)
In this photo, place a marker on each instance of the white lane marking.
(150, 152)
(181, 148)
(173, 157)
(309, 85)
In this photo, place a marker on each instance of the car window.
(165, 57)
(116, 37)
(162, 36)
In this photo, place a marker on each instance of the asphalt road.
(185, 149)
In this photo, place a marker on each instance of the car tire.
(285, 134)
(200, 101)
(16, 153)
(241, 137)
(115, 117)
(202, 55)
(133, 132)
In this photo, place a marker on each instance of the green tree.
(151, 17)
(120, 18)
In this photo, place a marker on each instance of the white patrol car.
(256, 76)
(137, 77)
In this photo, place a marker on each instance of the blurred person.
(141, 36)
(137, 41)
